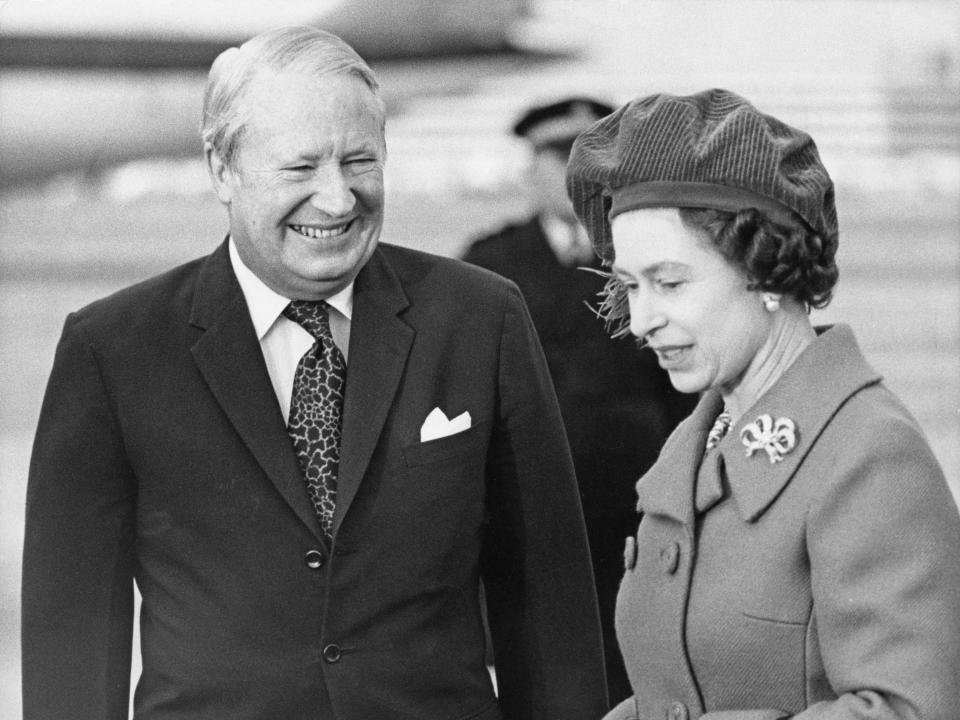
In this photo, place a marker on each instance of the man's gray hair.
(298, 48)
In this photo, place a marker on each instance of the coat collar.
(667, 487)
(810, 392)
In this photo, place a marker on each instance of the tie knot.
(311, 316)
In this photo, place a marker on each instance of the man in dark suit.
(617, 404)
(307, 450)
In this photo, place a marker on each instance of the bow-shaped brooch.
(776, 437)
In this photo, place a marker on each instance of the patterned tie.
(316, 408)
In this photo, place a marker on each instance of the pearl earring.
(771, 303)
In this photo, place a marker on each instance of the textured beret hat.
(712, 149)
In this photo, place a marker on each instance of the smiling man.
(307, 450)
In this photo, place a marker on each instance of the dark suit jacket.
(161, 455)
(617, 403)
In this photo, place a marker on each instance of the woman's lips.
(671, 355)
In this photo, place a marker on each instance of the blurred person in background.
(306, 449)
(618, 406)
(798, 549)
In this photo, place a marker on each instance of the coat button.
(678, 711)
(630, 553)
(331, 653)
(670, 558)
(313, 559)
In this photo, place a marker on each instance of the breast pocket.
(471, 441)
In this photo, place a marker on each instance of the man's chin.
(322, 284)
(318, 288)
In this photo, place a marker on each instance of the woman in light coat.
(798, 550)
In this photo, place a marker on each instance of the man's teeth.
(321, 232)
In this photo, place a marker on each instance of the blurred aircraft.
(85, 86)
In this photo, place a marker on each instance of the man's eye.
(669, 284)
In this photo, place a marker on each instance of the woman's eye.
(669, 284)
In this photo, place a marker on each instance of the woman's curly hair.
(787, 258)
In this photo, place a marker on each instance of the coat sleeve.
(885, 569)
(77, 584)
(625, 710)
(883, 542)
(536, 566)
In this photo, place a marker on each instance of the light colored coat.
(823, 586)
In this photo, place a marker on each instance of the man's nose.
(332, 192)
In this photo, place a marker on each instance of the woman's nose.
(645, 316)
(332, 193)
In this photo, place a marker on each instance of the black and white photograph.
(480, 360)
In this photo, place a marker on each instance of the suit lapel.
(379, 344)
(229, 358)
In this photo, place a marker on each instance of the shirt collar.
(556, 230)
(569, 242)
(266, 305)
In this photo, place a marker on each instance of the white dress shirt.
(283, 341)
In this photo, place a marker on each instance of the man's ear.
(220, 175)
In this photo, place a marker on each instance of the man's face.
(305, 195)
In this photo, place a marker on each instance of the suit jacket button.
(670, 558)
(630, 553)
(313, 559)
(678, 711)
(331, 653)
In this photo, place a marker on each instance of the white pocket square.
(437, 425)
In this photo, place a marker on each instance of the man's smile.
(311, 231)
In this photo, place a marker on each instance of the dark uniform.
(617, 404)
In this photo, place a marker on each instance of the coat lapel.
(834, 367)
(229, 357)
(668, 487)
(832, 364)
(379, 345)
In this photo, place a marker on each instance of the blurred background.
(101, 182)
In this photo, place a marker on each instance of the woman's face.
(689, 303)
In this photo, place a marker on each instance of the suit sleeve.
(537, 573)
(78, 560)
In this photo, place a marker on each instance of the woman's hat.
(713, 150)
